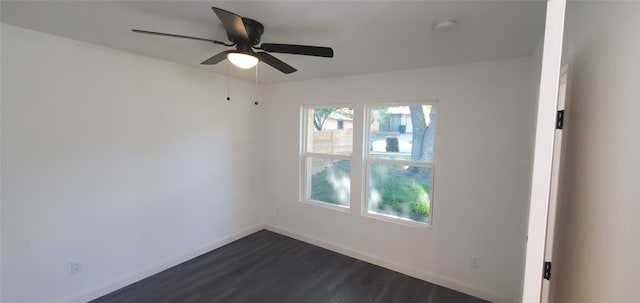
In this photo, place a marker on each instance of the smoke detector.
(444, 25)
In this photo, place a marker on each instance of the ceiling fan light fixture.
(242, 60)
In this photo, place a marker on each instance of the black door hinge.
(547, 270)
(560, 119)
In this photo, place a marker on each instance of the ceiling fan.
(244, 34)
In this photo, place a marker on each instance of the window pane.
(330, 130)
(402, 132)
(400, 191)
(330, 180)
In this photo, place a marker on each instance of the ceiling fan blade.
(275, 63)
(216, 58)
(178, 36)
(318, 51)
(232, 23)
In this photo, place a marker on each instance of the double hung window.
(399, 162)
(326, 155)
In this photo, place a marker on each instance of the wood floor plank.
(272, 268)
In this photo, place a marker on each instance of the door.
(543, 155)
(557, 167)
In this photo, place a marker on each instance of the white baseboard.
(120, 283)
(422, 275)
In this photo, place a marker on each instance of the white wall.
(482, 154)
(124, 163)
(598, 231)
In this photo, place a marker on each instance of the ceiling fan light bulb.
(243, 61)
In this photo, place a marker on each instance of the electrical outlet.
(75, 267)
(474, 262)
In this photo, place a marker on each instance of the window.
(327, 143)
(399, 163)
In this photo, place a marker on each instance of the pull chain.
(256, 89)
(228, 81)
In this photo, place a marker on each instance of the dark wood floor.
(268, 267)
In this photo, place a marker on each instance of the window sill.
(341, 208)
(398, 220)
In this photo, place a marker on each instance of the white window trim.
(303, 188)
(367, 159)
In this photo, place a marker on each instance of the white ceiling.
(367, 36)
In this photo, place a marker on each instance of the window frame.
(367, 160)
(304, 188)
